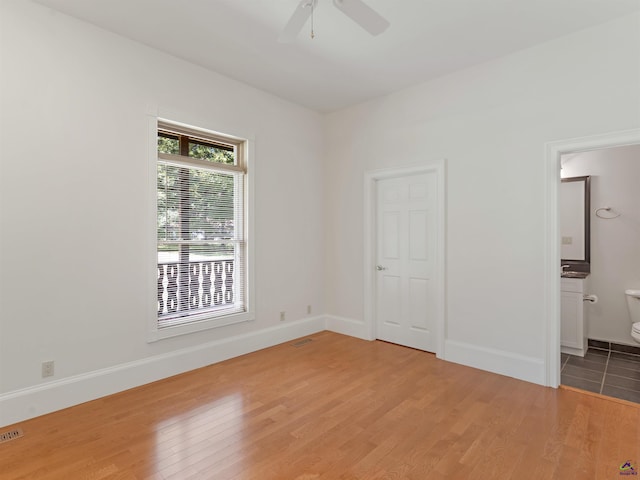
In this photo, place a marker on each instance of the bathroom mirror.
(574, 201)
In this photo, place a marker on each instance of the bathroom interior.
(599, 210)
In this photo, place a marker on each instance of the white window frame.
(198, 322)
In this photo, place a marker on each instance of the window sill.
(156, 334)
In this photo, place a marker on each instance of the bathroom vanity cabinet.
(573, 333)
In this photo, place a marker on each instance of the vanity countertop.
(574, 275)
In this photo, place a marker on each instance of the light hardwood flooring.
(334, 408)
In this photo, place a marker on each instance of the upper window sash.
(223, 142)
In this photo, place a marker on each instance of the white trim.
(348, 326)
(30, 402)
(152, 245)
(181, 161)
(510, 364)
(553, 151)
(370, 179)
(198, 323)
(206, 123)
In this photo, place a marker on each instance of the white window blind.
(200, 226)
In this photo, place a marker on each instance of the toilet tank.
(633, 301)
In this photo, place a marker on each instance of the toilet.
(633, 301)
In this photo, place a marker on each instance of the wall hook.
(609, 210)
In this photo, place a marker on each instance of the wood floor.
(333, 408)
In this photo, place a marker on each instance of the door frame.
(370, 246)
(552, 234)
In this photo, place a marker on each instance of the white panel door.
(406, 290)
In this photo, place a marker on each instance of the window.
(200, 228)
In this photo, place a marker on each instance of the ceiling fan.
(356, 10)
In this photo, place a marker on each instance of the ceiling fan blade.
(363, 15)
(297, 21)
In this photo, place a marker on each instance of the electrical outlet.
(282, 316)
(47, 369)
(308, 309)
(567, 240)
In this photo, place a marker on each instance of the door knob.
(380, 268)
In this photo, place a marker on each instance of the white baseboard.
(34, 401)
(510, 364)
(31, 402)
(580, 352)
(348, 326)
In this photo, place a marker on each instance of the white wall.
(74, 210)
(615, 244)
(491, 123)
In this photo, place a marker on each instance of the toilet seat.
(633, 303)
(635, 331)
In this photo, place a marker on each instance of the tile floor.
(611, 373)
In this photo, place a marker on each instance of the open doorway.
(600, 230)
(559, 154)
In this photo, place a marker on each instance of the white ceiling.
(343, 65)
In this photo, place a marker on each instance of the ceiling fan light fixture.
(299, 17)
(356, 10)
